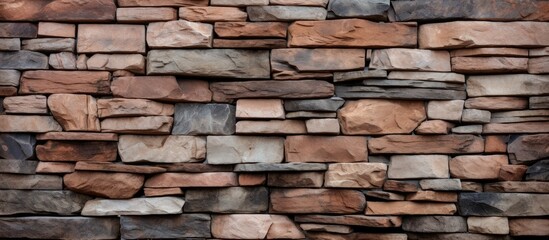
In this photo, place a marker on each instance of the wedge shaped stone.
(108, 185)
(18, 146)
(167, 226)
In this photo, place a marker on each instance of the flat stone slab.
(30, 182)
(244, 149)
(18, 166)
(280, 167)
(134, 206)
(353, 220)
(204, 119)
(161, 149)
(167, 226)
(503, 204)
(60, 227)
(227, 200)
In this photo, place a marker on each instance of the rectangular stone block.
(528, 227)
(212, 14)
(355, 175)
(526, 127)
(49, 44)
(123, 107)
(138, 125)
(60, 227)
(260, 108)
(410, 59)
(18, 166)
(300, 179)
(208, 179)
(227, 200)
(418, 166)
(168, 226)
(59, 10)
(244, 149)
(10, 44)
(229, 63)
(444, 144)
(72, 151)
(227, 91)
(352, 220)
(161, 3)
(285, 13)
(254, 226)
(65, 82)
(23, 60)
(430, 224)
(179, 34)
(78, 136)
(30, 182)
(36, 104)
(52, 29)
(251, 29)
(204, 119)
(409, 208)
(280, 167)
(39, 202)
(326, 149)
(398, 93)
(28, 123)
(131, 62)
(133, 206)
(503, 204)
(167, 88)
(487, 65)
(303, 200)
(477, 166)
(145, 14)
(276, 127)
(17, 30)
(161, 149)
(111, 38)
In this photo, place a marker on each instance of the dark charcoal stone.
(368, 9)
(41, 202)
(413, 84)
(539, 171)
(34, 182)
(227, 200)
(280, 167)
(204, 119)
(167, 226)
(320, 105)
(528, 148)
(18, 166)
(17, 145)
(398, 93)
(437, 10)
(59, 227)
(23, 60)
(434, 224)
(503, 204)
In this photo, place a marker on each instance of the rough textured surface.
(355, 175)
(244, 149)
(161, 149)
(325, 149)
(257, 226)
(169, 226)
(65, 82)
(57, 10)
(17, 146)
(134, 206)
(226, 91)
(60, 227)
(166, 88)
(72, 151)
(178, 34)
(75, 112)
(214, 119)
(410, 59)
(227, 200)
(100, 38)
(426, 144)
(503, 204)
(41, 202)
(108, 185)
(316, 201)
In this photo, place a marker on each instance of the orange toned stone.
(374, 116)
(78, 136)
(481, 65)
(179, 34)
(108, 185)
(212, 14)
(477, 166)
(434, 127)
(355, 175)
(157, 192)
(302, 200)
(351, 33)
(54, 167)
(160, 3)
(401, 186)
(69, 151)
(210, 179)
(115, 38)
(426, 144)
(326, 149)
(409, 208)
(497, 103)
(145, 14)
(251, 29)
(115, 167)
(44, 81)
(512, 172)
(528, 227)
(227, 91)
(51, 29)
(58, 10)
(433, 196)
(75, 112)
(260, 108)
(251, 179)
(271, 127)
(249, 43)
(166, 88)
(138, 125)
(472, 186)
(495, 144)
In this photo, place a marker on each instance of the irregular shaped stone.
(208, 179)
(212, 14)
(244, 149)
(432, 196)
(97, 151)
(145, 14)
(260, 108)
(200, 119)
(227, 200)
(514, 85)
(355, 175)
(434, 127)
(9, 78)
(18, 166)
(179, 34)
(41, 202)
(528, 227)
(373, 9)
(538, 65)
(477, 166)
(285, 13)
(380, 194)
(517, 187)
(49, 44)
(161, 149)
(353, 220)
(490, 52)
(226, 91)
(75, 112)
(280, 167)
(271, 127)
(527, 148)
(466, 34)
(325, 149)
(351, 33)
(496, 143)
(411, 59)
(359, 75)
(78, 136)
(52, 29)
(138, 125)
(65, 82)
(302, 179)
(418, 166)
(30, 182)
(10, 44)
(167, 88)
(23, 60)
(167, 226)
(130, 62)
(515, 128)
(483, 65)
(210, 63)
(427, 76)
(100, 38)
(512, 172)
(122, 107)
(115, 167)
(55, 167)
(48, 227)
(63, 60)
(426, 144)
(503, 204)
(254, 226)
(539, 171)
(303, 200)
(488, 225)
(159, 3)
(134, 206)
(24, 123)
(409, 208)
(398, 93)
(108, 185)
(18, 146)
(251, 29)
(439, 224)
(452, 184)
(404, 116)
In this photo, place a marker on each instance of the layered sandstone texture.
(274, 119)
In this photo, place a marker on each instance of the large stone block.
(227, 91)
(108, 185)
(244, 149)
(418, 166)
(18, 30)
(303, 200)
(75, 112)
(410, 59)
(539, 171)
(179, 34)
(510, 85)
(299, 179)
(17, 146)
(163, 88)
(60, 227)
(161, 149)
(229, 63)
(138, 125)
(41, 202)
(251, 29)
(65, 82)
(133, 206)
(18, 166)
(280, 167)
(23, 60)
(145, 14)
(204, 119)
(503, 204)
(444, 144)
(528, 227)
(213, 14)
(36, 104)
(168, 226)
(160, 3)
(227, 200)
(488, 225)
(325, 149)
(477, 166)
(528, 148)
(438, 224)
(59, 10)
(355, 175)
(123, 107)
(28, 123)
(30, 182)
(49, 44)
(410, 208)
(111, 38)
(254, 226)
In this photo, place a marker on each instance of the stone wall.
(280, 119)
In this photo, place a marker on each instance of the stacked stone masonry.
(274, 119)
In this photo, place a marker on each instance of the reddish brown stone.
(212, 14)
(472, 186)
(409, 208)
(8, 91)
(512, 172)
(260, 108)
(401, 186)
(302, 200)
(356, 236)
(353, 220)
(75, 112)
(106, 38)
(157, 192)
(227, 91)
(434, 127)
(109, 185)
(138, 125)
(58, 10)
(300, 179)
(50, 29)
(476, 65)
(528, 227)
(44, 81)
(351, 33)
(123, 107)
(145, 14)
(326, 149)
(210, 179)
(490, 52)
(497, 103)
(115, 167)
(165, 88)
(251, 29)
(538, 65)
(477, 166)
(17, 30)
(55, 167)
(249, 43)
(374, 116)
(158, 3)
(78, 136)
(426, 144)
(254, 226)
(130, 62)
(69, 151)
(495, 144)
(251, 179)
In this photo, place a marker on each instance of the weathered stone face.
(108, 185)
(59, 227)
(325, 149)
(56, 10)
(528, 148)
(39, 202)
(168, 226)
(254, 226)
(75, 112)
(178, 34)
(304, 200)
(166, 88)
(161, 149)
(107, 38)
(134, 206)
(17, 146)
(203, 119)
(244, 149)
(503, 204)
(227, 200)
(355, 175)
(73, 151)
